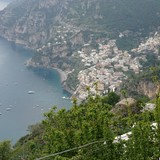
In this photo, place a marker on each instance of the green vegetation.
(127, 43)
(109, 18)
(135, 83)
(106, 17)
(5, 150)
(88, 131)
(115, 15)
(72, 79)
(152, 60)
(112, 98)
(17, 10)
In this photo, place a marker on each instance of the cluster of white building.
(108, 66)
(151, 44)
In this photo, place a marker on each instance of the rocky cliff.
(34, 23)
(148, 89)
(144, 84)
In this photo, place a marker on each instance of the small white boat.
(31, 92)
(65, 97)
(8, 109)
(0, 113)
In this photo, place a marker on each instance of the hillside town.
(108, 66)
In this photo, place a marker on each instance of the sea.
(25, 94)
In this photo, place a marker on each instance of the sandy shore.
(63, 75)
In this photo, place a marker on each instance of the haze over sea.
(19, 109)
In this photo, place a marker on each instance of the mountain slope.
(58, 30)
(33, 21)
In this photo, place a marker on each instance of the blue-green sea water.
(18, 109)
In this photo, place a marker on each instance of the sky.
(3, 4)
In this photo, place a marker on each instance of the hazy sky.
(3, 4)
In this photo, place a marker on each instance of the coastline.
(62, 74)
(63, 77)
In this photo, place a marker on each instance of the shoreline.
(62, 74)
(63, 77)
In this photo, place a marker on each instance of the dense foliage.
(115, 14)
(134, 83)
(90, 130)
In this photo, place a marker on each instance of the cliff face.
(143, 85)
(33, 23)
(148, 89)
(25, 22)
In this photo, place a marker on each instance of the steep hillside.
(59, 30)
(34, 23)
(144, 85)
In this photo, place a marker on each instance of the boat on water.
(65, 97)
(31, 92)
(8, 109)
(0, 113)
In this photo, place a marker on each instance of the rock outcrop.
(148, 89)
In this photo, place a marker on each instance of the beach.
(63, 75)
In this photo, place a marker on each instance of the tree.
(112, 98)
(5, 150)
